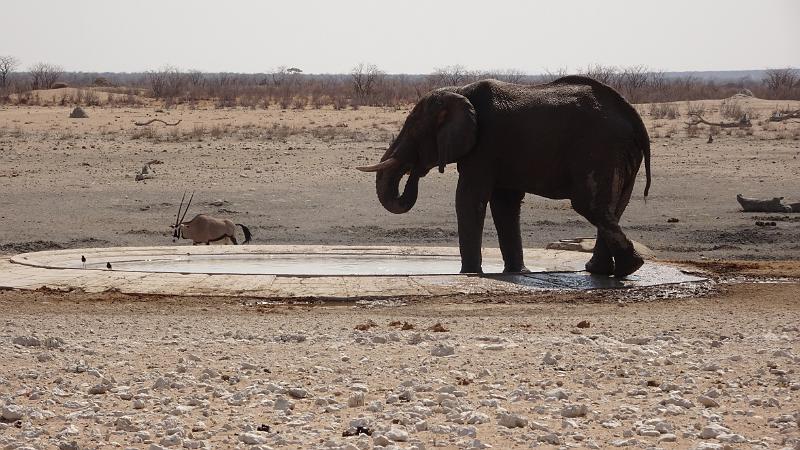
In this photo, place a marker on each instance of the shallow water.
(298, 264)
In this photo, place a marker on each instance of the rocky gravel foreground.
(574, 371)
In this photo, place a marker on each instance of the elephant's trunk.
(387, 184)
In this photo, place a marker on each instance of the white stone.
(708, 402)
(713, 430)
(397, 435)
(174, 440)
(252, 438)
(381, 440)
(442, 350)
(12, 412)
(574, 410)
(731, 438)
(668, 437)
(283, 404)
(124, 423)
(298, 393)
(509, 420)
(558, 394)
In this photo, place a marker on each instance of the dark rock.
(78, 113)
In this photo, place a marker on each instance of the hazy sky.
(402, 36)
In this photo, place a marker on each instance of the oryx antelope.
(205, 229)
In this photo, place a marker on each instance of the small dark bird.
(710, 139)
(108, 265)
(83, 260)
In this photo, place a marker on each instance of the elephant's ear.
(458, 128)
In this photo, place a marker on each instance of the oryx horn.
(177, 216)
(187, 208)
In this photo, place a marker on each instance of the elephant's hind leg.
(602, 262)
(626, 260)
(602, 205)
(505, 205)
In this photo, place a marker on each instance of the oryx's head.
(176, 229)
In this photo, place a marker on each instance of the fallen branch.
(142, 124)
(764, 205)
(744, 122)
(780, 116)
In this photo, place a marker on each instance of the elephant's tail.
(646, 151)
(642, 140)
(247, 234)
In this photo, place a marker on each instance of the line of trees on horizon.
(366, 84)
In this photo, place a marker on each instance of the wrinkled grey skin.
(574, 138)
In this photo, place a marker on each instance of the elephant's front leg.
(471, 202)
(505, 206)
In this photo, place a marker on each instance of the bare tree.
(195, 77)
(632, 80)
(279, 75)
(609, 75)
(450, 75)
(7, 66)
(547, 76)
(167, 82)
(44, 75)
(365, 78)
(508, 75)
(781, 81)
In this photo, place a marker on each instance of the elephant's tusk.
(388, 164)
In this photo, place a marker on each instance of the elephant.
(573, 138)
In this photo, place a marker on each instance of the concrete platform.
(309, 271)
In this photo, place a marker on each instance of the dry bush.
(733, 110)
(145, 133)
(284, 102)
(692, 131)
(197, 132)
(279, 132)
(664, 111)
(695, 108)
(217, 131)
(299, 102)
(339, 102)
(319, 101)
(330, 133)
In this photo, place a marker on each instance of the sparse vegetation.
(290, 88)
(664, 111)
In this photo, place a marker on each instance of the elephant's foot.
(471, 269)
(600, 265)
(626, 265)
(516, 269)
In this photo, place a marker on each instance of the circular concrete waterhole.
(308, 271)
(298, 264)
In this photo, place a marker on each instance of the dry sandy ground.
(717, 370)
(289, 175)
